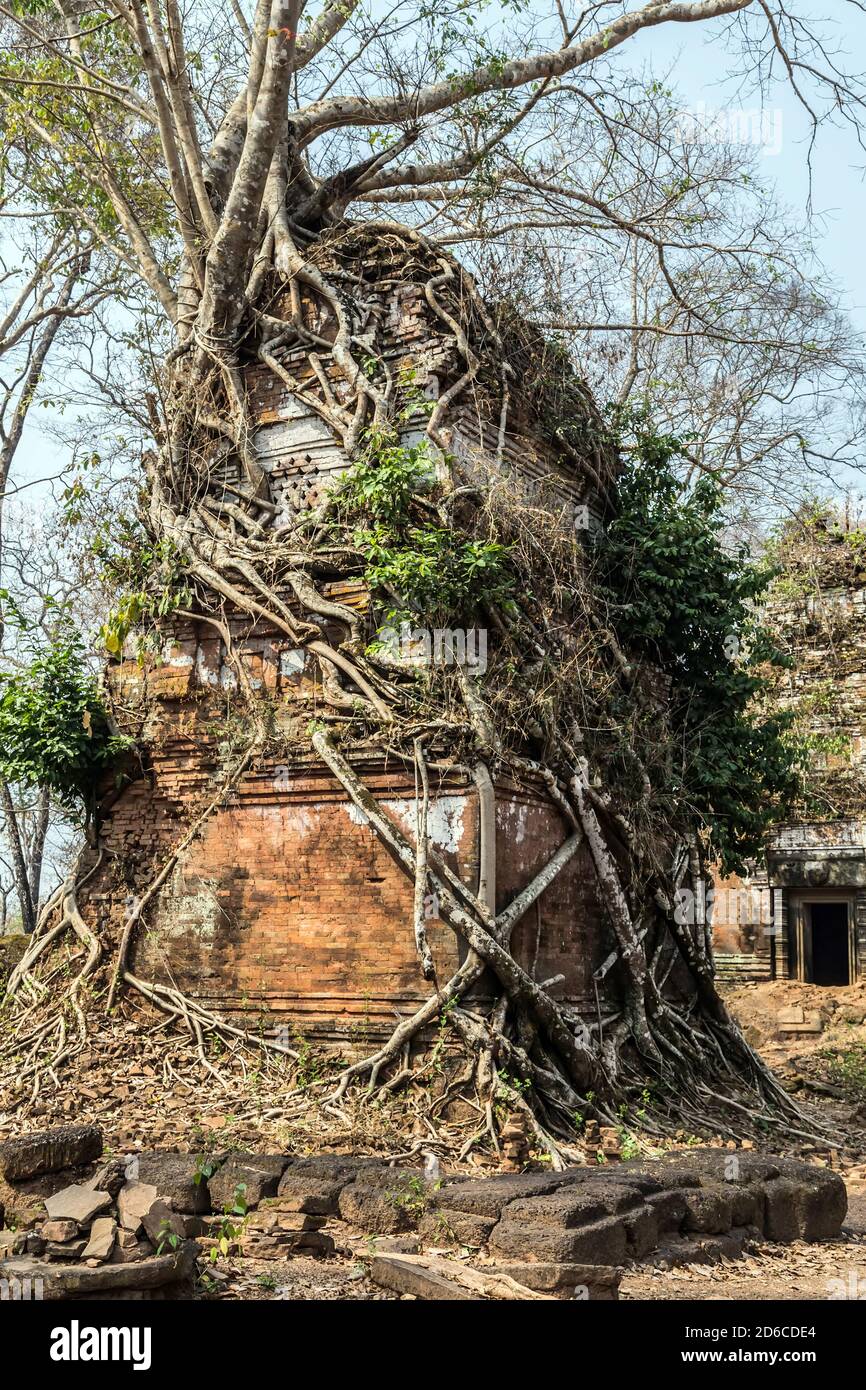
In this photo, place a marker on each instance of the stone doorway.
(824, 939)
(830, 943)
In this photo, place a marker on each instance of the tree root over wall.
(527, 1051)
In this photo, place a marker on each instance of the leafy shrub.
(435, 571)
(847, 1069)
(54, 730)
(688, 603)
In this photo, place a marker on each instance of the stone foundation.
(563, 1235)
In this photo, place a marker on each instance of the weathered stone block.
(59, 1230)
(49, 1151)
(489, 1196)
(781, 1221)
(443, 1226)
(258, 1174)
(103, 1233)
(110, 1176)
(602, 1242)
(174, 1177)
(133, 1200)
(80, 1281)
(160, 1224)
(383, 1207)
(317, 1182)
(77, 1203)
(709, 1209)
(561, 1280)
(747, 1206)
(573, 1205)
(400, 1276)
(641, 1231)
(670, 1209)
(821, 1201)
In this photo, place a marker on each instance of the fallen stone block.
(443, 1226)
(278, 1245)
(489, 1197)
(781, 1217)
(641, 1231)
(709, 1209)
(258, 1174)
(59, 1230)
(103, 1233)
(563, 1280)
(318, 1181)
(670, 1209)
(77, 1203)
(384, 1245)
(128, 1249)
(747, 1206)
(429, 1277)
(385, 1202)
(821, 1200)
(174, 1177)
(55, 1250)
(314, 1195)
(697, 1250)
(81, 1281)
(133, 1200)
(574, 1205)
(110, 1176)
(163, 1227)
(49, 1151)
(600, 1242)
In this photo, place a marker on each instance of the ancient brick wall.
(286, 906)
(303, 459)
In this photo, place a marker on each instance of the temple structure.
(284, 909)
(801, 914)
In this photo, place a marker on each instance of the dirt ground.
(125, 1083)
(831, 1269)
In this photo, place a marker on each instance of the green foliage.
(381, 485)
(232, 1224)
(847, 1068)
(204, 1168)
(46, 124)
(149, 577)
(166, 1238)
(310, 1066)
(54, 730)
(414, 1195)
(687, 603)
(435, 571)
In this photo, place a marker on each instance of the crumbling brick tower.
(285, 907)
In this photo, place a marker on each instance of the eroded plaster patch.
(444, 819)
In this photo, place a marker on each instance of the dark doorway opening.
(830, 964)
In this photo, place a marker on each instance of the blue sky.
(699, 64)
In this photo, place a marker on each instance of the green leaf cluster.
(688, 603)
(436, 572)
(54, 729)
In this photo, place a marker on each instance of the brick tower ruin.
(285, 909)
